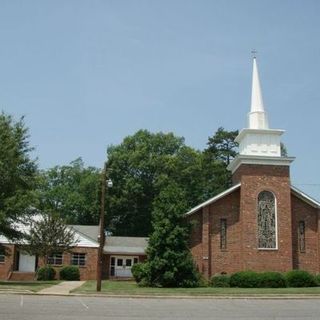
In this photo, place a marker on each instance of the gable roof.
(214, 199)
(90, 232)
(125, 245)
(304, 197)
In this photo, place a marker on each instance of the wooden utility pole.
(102, 233)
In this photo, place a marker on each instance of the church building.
(261, 223)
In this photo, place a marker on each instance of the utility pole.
(102, 233)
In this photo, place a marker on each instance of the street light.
(105, 183)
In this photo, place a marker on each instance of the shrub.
(139, 271)
(46, 273)
(245, 279)
(222, 281)
(272, 280)
(300, 278)
(70, 273)
(317, 278)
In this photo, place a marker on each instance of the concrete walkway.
(62, 288)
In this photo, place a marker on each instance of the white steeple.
(258, 144)
(257, 118)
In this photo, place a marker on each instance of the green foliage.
(70, 273)
(170, 263)
(139, 271)
(272, 280)
(140, 167)
(216, 157)
(221, 281)
(18, 174)
(46, 273)
(48, 234)
(72, 191)
(245, 279)
(300, 278)
(317, 278)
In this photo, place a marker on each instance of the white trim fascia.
(243, 132)
(259, 160)
(213, 199)
(81, 234)
(303, 196)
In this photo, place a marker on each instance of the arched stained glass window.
(267, 233)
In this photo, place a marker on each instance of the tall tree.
(72, 191)
(221, 150)
(169, 262)
(18, 174)
(139, 168)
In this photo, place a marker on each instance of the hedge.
(70, 273)
(300, 278)
(221, 281)
(46, 273)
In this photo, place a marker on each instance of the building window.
(55, 259)
(302, 236)
(78, 259)
(267, 224)
(2, 256)
(223, 234)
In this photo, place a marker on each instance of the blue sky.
(88, 73)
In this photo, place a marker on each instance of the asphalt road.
(30, 307)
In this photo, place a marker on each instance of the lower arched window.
(267, 224)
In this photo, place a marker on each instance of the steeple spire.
(257, 118)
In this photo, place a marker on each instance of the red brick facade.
(239, 209)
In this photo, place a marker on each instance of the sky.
(86, 74)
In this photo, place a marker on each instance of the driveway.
(32, 307)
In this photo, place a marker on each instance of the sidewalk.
(62, 288)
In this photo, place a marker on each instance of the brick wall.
(308, 260)
(6, 266)
(254, 179)
(87, 272)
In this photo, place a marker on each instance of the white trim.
(258, 160)
(303, 196)
(214, 199)
(275, 217)
(243, 132)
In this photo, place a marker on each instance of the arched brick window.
(267, 221)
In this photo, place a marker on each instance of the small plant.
(46, 273)
(300, 278)
(245, 279)
(221, 281)
(70, 273)
(272, 280)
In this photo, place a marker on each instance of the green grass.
(32, 286)
(131, 288)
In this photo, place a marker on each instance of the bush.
(300, 278)
(70, 273)
(46, 273)
(317, 278)
(139, 271)
(221, 281)
(245, 279)
(272, 280)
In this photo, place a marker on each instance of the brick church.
(261, 223)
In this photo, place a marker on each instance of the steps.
(22, 276)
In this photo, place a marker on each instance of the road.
(31, 307)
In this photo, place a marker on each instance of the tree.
(18, 174)
(139, 168)
(72, 191)
(169, 262)
(221, 150)
(48, 234)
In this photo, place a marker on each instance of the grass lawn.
(24, 286)
(131, 288)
